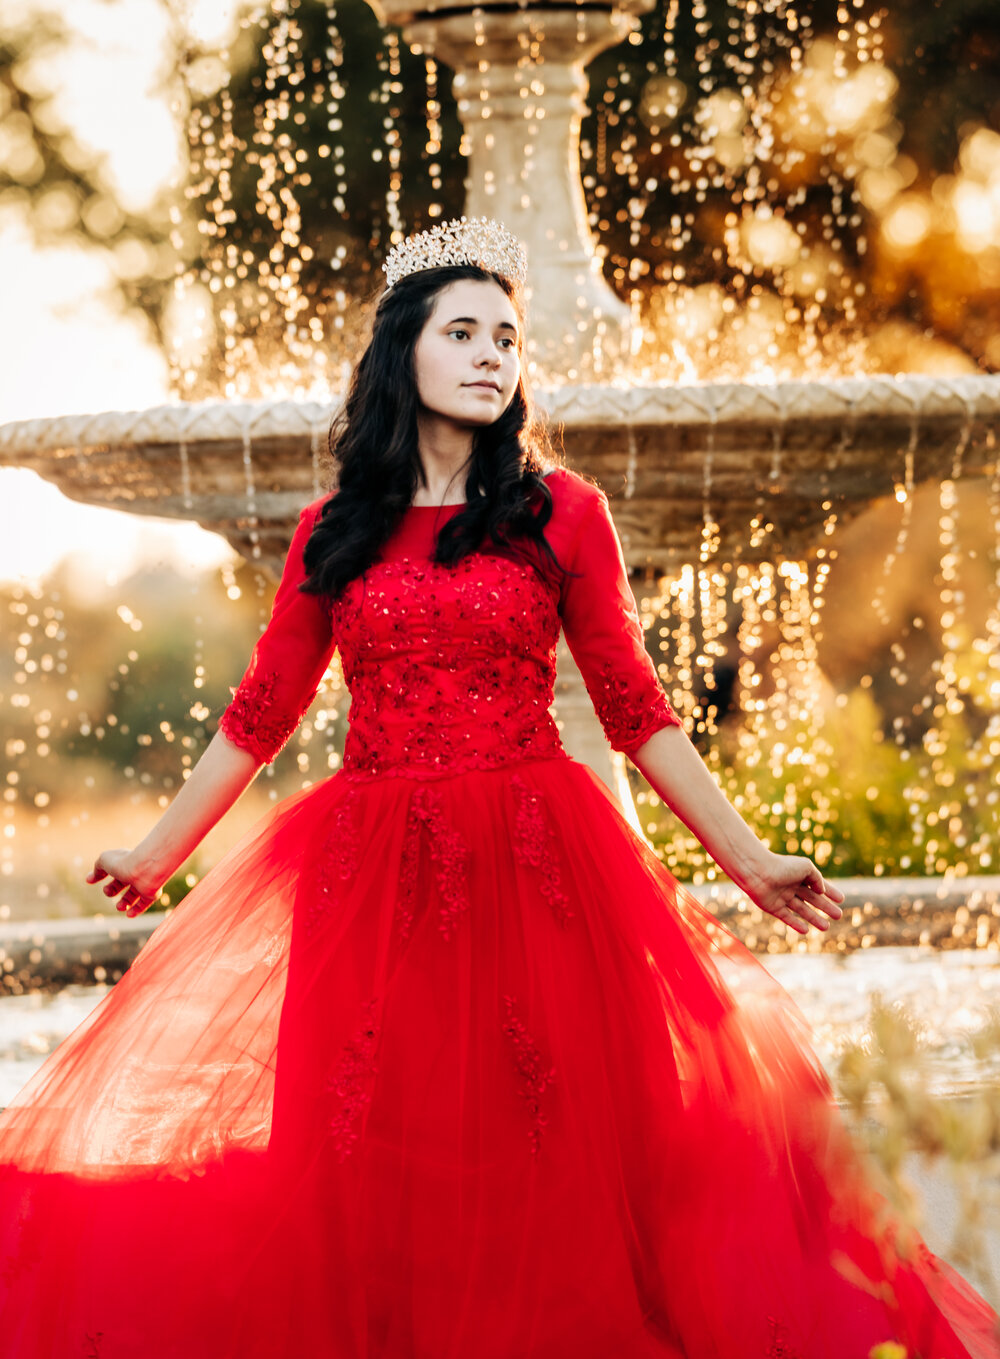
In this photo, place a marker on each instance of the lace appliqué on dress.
(629, 712)
(253, 723)
(780, 1346)
(350, 1084)
(449, 855)
(339, 860)
(534, 1076)
(92, 1344)
(452, 667)
(408, 865)
(535, 845)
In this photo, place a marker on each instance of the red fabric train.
(440, 1062)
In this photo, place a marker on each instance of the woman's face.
(467, 359)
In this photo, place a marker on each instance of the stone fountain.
(695, 472)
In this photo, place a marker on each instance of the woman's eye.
(458, 332)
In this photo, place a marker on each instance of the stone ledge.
(41, 955)
(948, 912)
(944, 913)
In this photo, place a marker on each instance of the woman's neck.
(444, 455)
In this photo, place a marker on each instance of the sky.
(65, 346)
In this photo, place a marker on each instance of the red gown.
(440, 1062)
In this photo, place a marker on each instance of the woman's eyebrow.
(474, 321)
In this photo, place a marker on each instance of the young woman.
(440, 1062)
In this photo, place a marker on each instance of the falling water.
(253, 522)
(904, 496)
(187, 499)
(724, 135)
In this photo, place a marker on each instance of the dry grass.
(906, 1126)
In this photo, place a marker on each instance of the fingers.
(787, 916)
(827, 897)
(804, 909)
(133, 900)
(819, 895)
(805, 913)
(133, 903)
(100, 871)
(822, 901)
(805, 905)
(805, 898)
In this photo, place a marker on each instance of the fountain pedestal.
(521, 89)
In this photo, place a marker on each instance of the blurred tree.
(128, 682)
(688, 136)
(948, 55)
(56, 184)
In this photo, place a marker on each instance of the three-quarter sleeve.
(288, 662)
(604, 634)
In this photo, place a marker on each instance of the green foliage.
(176, 888)
(59, 186)
(129, 691)
(853, 799)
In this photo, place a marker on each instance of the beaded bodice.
(448, 668)
(452, 668)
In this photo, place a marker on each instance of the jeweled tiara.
(473, 240)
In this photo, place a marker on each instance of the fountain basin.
(764, 466)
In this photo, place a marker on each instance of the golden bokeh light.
(770, 241)
(907, 223)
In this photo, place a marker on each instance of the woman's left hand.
(790, 888)
(793, 890)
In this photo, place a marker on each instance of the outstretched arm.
(280, 682)
(605, 635)
(789, 887)
(215, 783)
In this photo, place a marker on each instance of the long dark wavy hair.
(373, 445)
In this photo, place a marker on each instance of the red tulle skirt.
(451, 1070)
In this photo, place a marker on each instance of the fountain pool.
(954, 998)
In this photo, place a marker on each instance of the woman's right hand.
(137, 888)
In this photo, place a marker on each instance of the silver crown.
(474, 240)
